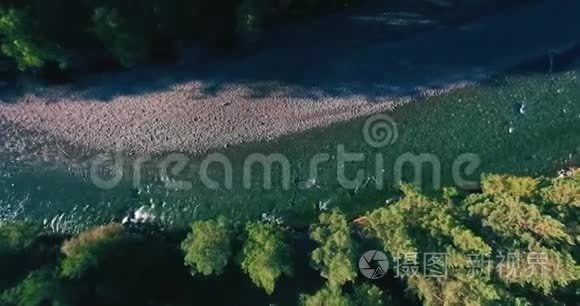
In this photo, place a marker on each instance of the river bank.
(281, 92)
(519, 125)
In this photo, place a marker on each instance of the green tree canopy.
(327, 296)
(15, 237)
(127, 39)
(508, 235)
(40, 288)
(86, 250)
(367, 294)
(513, 244)
(22, 40)
(364, 295)
(208, 247)
(266, 255)
(563, 191)
(526, 220)
(335, 256)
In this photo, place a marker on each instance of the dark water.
(519, 125)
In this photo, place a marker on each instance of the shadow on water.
(554, 61)
(377, 51)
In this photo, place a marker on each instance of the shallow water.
(520, 125)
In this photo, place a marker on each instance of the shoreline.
(154, 111)
(64, 132)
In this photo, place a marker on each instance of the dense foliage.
(21, 42)
(326, 296)
(266, 255)
(208, 247)
(37, 33)
(17, 237)
(515, 243)
(363, 295)
(335, 257)
(502, 246)
(36, 289)
(86, 250)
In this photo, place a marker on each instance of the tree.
(509, 185)
(563, 191)
(208, 246)
(363, 295)
(518, 222)
(127, 39)
(23, 41)
(489, 242)
(89, 248)
(417, 225)
(511, 217)
(513, 244)
(39, 288)
(266, 255)
(327, 296)
(16, 237)
(335, 255)
(368, 295)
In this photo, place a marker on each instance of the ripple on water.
(482, 121)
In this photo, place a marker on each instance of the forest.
(51, 38)
(513, 243)
(67, 34)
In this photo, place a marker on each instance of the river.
(523, 125)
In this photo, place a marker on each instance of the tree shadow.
(360, 54)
